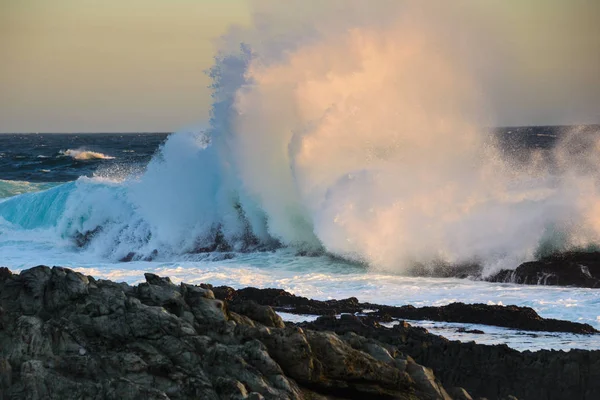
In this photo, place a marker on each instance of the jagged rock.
(425, 378)
(281, 299)
(263, 314)
(493, 372)
(68, 336)
(564, 269)
(5, 374)
(459, 393)
(82, 239)
(5, 274)
(444, 270)
(524, 318)
(65, 335)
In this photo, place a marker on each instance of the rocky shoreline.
(571, 268)
(522, 318)
(565, 269)
(64, 335)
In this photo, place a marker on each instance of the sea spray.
(361, 138)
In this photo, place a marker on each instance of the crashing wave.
(364, 143)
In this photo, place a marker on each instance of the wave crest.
(83, 155)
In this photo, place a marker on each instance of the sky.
(138, 65)
(108, 65)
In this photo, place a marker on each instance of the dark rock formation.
(82, 239)
(564, 269)
(283, 300)
(572, 268)
(64, 335)
(492, 372)
(523, 318)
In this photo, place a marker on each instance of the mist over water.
(364, 136)
(368, 140)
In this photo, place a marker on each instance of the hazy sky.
(108, 65)
(137, 65)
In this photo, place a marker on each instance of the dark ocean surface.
(65, 157)
(58, 157)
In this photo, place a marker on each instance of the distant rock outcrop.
(564, 269)
(522, 318)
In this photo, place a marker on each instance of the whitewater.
(334, 161)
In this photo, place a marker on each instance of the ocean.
(118, 205)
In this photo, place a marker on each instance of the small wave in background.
(86, 155)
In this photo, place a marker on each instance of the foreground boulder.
(64, 335)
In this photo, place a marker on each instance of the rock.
(459, 393)
(493, 372)
(443, 270)
(523, 318)
(5, 274)
(472, 331)
(565, 269)
(129, 257)
(5, 374)
(425, 379)
(571, 268)
(281, 299)
(69, 336)
(82, 239)
(263, 314)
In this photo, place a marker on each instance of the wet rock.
(492, 372)
(282, 300)
(443, 270)
(459, 393)
(425, 378)
(69, 336)
(565, 269)
(472, 331)
(5, 274)
(129, 257)
(82, 239)
(263, 314)
(515, 317)
(5, 374)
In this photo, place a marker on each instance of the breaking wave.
(365, 143)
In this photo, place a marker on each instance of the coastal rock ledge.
(64, 335)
